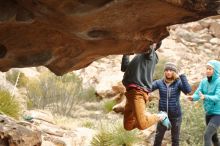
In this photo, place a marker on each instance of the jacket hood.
(216, 66)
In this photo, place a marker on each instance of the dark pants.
(211, 136)
(175, 132)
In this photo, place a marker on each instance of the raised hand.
(201, 95)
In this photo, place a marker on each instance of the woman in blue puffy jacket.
(209, 92)
(170, 88)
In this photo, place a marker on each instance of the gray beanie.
(170, 66)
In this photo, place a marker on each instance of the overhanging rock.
(70, 34)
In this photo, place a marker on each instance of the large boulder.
(38, 130)
(70, 34)
(15, 134)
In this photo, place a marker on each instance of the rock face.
(69, 35)
(103, 74)
(193, 45)
(14, 134)
(39, 129)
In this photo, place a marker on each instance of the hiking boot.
(165, 120)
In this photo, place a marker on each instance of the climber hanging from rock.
(137, 80)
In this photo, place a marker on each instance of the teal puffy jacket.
(211, 91)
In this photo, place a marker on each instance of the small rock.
(215, 41)
(215, 29)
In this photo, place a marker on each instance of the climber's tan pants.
(134, 114)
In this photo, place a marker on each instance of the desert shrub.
(108, 105)
(123, 137)
(114, 134)
(103, 138)
(58, 93)
(88, 124)
(193, 124)
(88, 94)
(13, 75)
(8, 105)
(30, 104)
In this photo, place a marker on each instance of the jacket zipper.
(167, 98)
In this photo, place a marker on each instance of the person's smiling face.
(169, 73)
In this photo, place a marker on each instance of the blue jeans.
(175, 132)
(211, 136)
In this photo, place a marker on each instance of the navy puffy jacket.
(170, 95)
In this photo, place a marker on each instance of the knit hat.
(170, 66)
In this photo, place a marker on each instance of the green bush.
(8, 105)
(114, 134)
(108, 105)
(103, 138)
(88, 124)
(123, 137)
(88, 94)
(58, 93)
(13, 75)
(193, 124)
(30, 104)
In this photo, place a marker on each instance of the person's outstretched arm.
(151, 51)
(124, 62)
(196, 95)
(184, 85)
(154, 86)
